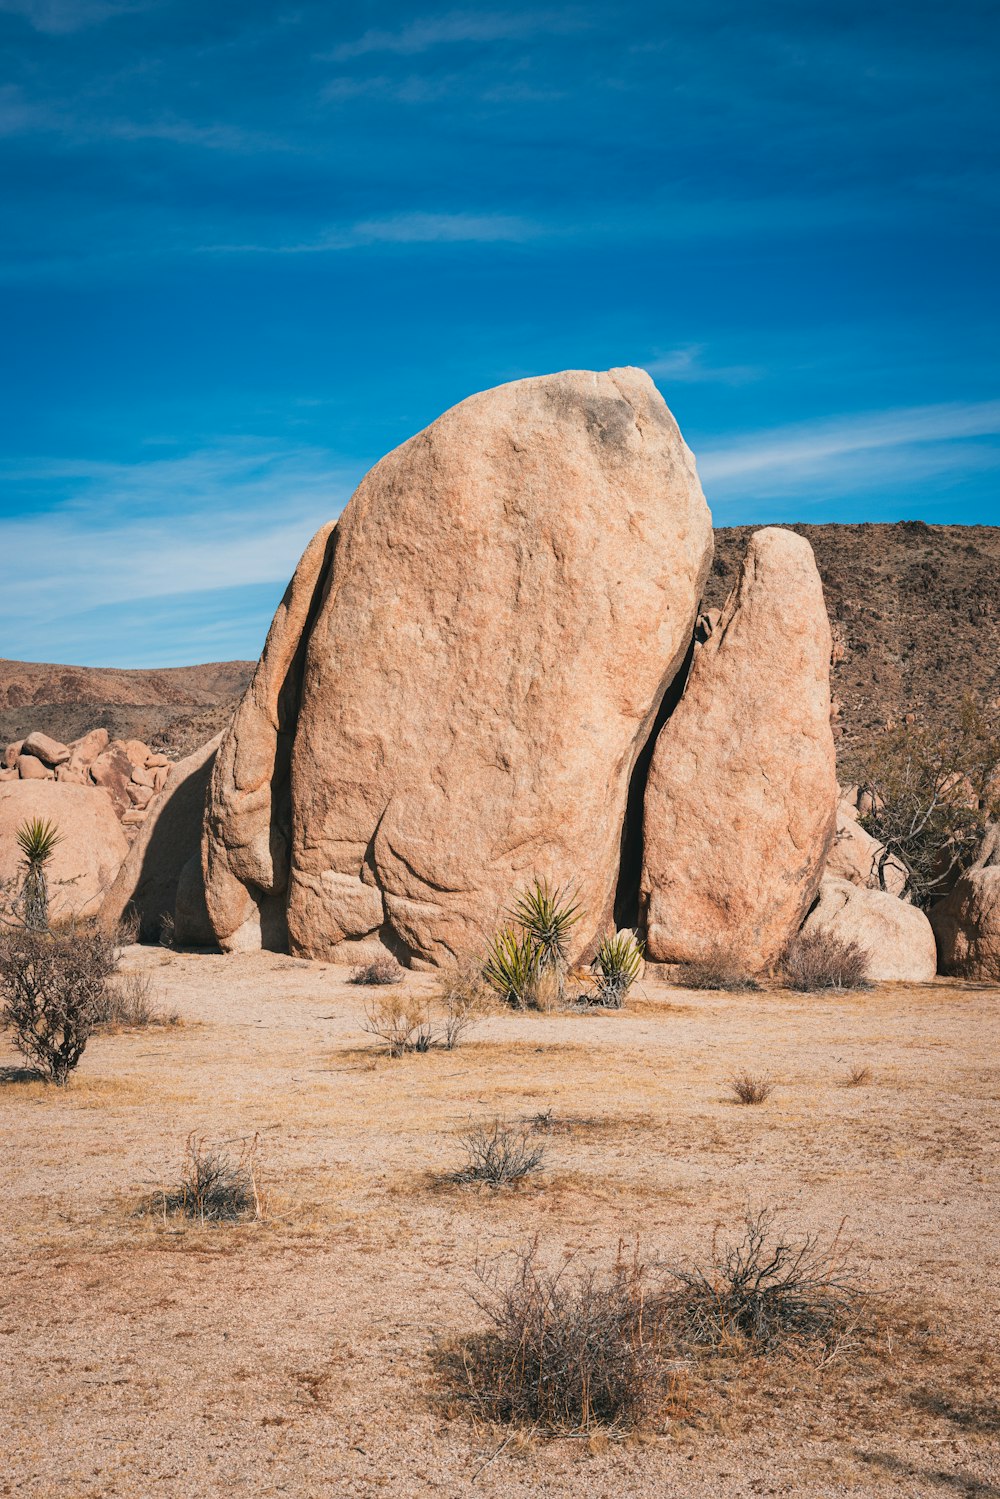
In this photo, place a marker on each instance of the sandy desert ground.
(297, 1356)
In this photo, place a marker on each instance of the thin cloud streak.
(427, 32)
(402, 229)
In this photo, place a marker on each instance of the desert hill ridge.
(915, 611)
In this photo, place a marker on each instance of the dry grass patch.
(217, 1184)
(381, 971)
(128, 1004)
(722, 968)
(751, 1088)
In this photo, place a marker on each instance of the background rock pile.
(128, 771)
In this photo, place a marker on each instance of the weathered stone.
(134, 817)
(158, 762)
(30, 768)
(192, 927)
(84, 863)
(742, 789)
(85, 750)
(139, 796)
(142, 777)
(896, 936)
(855, 855)
(9, 775)
(137, 752)
(160, 777)
(170, 836)
(11, 753)
(113, 770)
(967, 925)
(51, 751)
(510, 594)
(71, 776)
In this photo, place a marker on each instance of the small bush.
(617, 966)
(547, 914)
(820, 960)
(401, 1021)
(168, 933)
(463, 995)
(498, 1156)
(562, 1352)
(381, 970)
(127, 932)
(721, 968)
(127, 1004)
(765, 1293)
(51, 988)
(748, 1088)
(512, 968)
(858, 1077)
(215, 1186)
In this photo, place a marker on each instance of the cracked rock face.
(509, 596)
(742, 792)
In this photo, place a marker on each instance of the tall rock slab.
(742, 792)
(248, 824)
(486, 646)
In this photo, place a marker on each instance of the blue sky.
(248, 248)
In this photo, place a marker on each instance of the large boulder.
(168, 838)
(85, 862)
(967, 925)
(856, 856)
(44, 748)
(742, 788)
(506, 599)
(896, 936)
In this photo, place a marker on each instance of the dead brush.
(383, 970)
(721, 968)
(128, 1004)
(463, 995)
(216, 1186)
(858, 1077)
(497, 1156)
(765, 1293)
(751, 1088)
(820, 960)
(401, 1022)
(562, 1351)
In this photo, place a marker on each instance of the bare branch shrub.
(858, 1077)
(167, 937)
(383, 970)
(498, 1156)
(563, 1352)
(463, 995)
(215, 1186)
(400, 1020)
(819, 959)
(749, 1089)
(721, 968)
(128, 1004)
(766, 1292)
(127, 932)
(51, 986)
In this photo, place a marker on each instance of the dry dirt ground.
(296, 1356)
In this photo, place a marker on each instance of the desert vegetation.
(219, 1182)
(821, 960)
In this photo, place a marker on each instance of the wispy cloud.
(403, 229)
(457, 26)
(687, 366)
(61, 17)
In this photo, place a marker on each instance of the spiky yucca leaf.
(547, 913)
(618, 961)
(511, 969)
(37, 839)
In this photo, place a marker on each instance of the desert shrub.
(932, 796)
(750, 1088)
(721, 968)
(562, 1352)
(401, 1021)
(547, 914)
(383, 970)
(168, 931)
(766, 1292)
(216, 1186)
(512, 968)
(858, 1077)
(51, 988)
(498, 1156)
(616, 968)
(128, 1003)
(463, 994)
(127, 932)
(819, 959)
(37, 841)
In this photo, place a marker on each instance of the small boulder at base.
(896, 936)
(967, 925)
(43, 748)
(171, 833)
(85, 750)
(742, 788)
(87, 859)
(11, 753)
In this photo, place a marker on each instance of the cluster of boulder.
(493, 667)
(126, 769)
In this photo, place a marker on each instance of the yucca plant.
(37, 841)
(617, 965)
(512, 967)
(547, 914)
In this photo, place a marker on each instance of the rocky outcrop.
(856, 856)
(487, 639)
(169, 838)
(966, 922)
(896, 936)
(128, 771)
(87, 859)
(742, 790)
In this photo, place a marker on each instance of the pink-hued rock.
(51, 751)
(896, 936)
(140, 796)
(967, 921)
(11, 753)
(9, 775)
(84, 863)
(85, 750)
(134, 817)
(113, 770)
(143, 777)
(192, 927)
(511, 593)
(30, 768)
(856, 856)
(69, 775)
(742, 788)
(158, 762)
(170, 837)
(137, 752)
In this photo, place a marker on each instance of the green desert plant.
(617, 966)
(37, 840)
(513, 964)
(547, 913)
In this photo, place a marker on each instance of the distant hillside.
(915, 611)
(173, 709)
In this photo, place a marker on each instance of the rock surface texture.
(168, 839)
(85, 863)
(742, 791)
(896, 936)
(855, 855)
(487, 639)
(967, 924)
